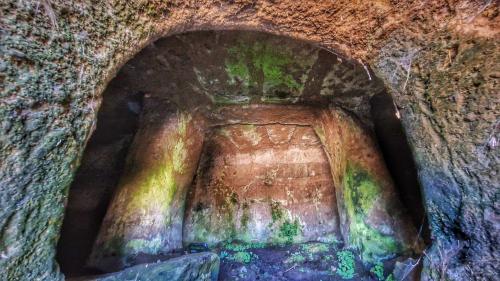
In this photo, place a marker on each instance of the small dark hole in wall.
(282, 94)
(96, 178)
(399, 159)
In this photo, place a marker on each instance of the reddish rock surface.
(255, 178)
(372, 217)
(145, 214)
(438, 58)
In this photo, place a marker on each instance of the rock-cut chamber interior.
(284, 159)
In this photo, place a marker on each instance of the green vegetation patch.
(151, 189)
(285, 231)
(263, 64)
(237, 66)
(361, 191)
(156, 191)
(346, 264)
(289, 230)
(295, 258)
(378, 271)
(247, 60)
(372, 244)
(276, 211)
(315, 248)
(241, 256)
(157, 186)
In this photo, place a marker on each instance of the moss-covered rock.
(361, 192)
(146, 213)
(57, 57)
(257, 68)
(245, 188)
(278, 72)
(372, 220)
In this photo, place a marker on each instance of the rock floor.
(307, 261)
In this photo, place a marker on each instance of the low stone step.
(193, 267)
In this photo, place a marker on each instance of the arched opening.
(254, 146)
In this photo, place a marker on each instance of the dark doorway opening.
(399, 159)
(96, 178)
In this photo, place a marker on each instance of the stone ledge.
(199, 266)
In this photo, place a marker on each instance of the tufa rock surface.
(193, 267)
(438, 59)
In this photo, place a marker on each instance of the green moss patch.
(242, 257)
(246, 61)
(314, 248)
(378, 271)
(156, 191)
(152, 246)
(296, 258)
(157, 185)
(276, 211)
(373, 245)
(289, 230)
(284, 229)
(361, 191)
(150, 190)
(258, 65)
(346, 264)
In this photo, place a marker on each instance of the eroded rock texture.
(217, 68)
(201, 266)
(438, 58)
(373, 219)
(96, 178)
(450, 113)
(145, 215)
(263, 178)
(263, 183)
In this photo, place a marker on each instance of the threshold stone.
(199, 266)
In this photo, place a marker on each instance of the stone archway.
(435, 59)
(232, 78)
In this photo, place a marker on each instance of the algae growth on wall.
(372, 218)
(145, 215)
(361, 193)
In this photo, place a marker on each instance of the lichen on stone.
(151, 246)
(179, 154)
(156, 190)
(261, 65)
(289, 230)
(346, 264)
(250, 132)
(361, 191)
(276, 211)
